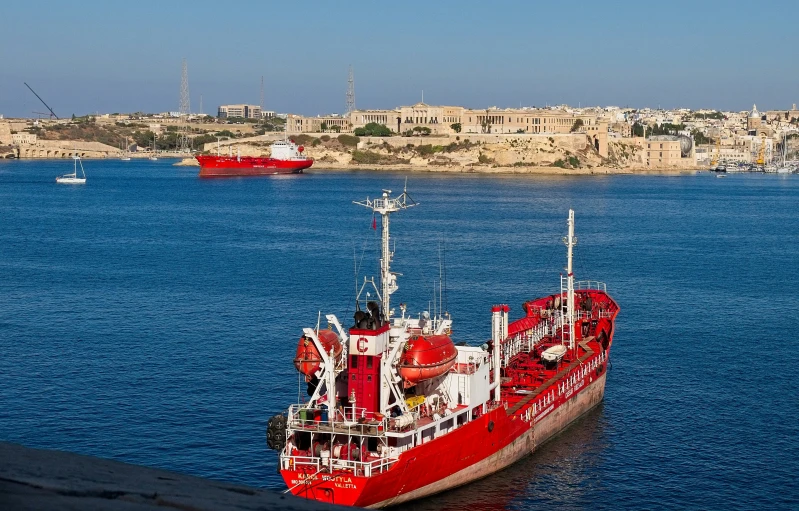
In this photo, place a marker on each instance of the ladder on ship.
(565, 325)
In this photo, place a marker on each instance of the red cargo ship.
(398, 412)
(286, 158)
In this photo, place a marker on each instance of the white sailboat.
(73, 179)
(153, 156)
(125, 156)
(784, 169)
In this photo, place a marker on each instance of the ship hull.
(453, 460)
(227, 166)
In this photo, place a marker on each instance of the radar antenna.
(386, 205)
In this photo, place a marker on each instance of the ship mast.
(570, 241)
(385, 206)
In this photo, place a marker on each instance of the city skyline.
(719, 55)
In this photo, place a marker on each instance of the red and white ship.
(397, 411)
(286, 158)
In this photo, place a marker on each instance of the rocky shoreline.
(476, 169)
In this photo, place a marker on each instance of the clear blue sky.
(110, 56)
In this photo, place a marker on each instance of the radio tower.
(350, 93)
(262, 93)
(184, 144)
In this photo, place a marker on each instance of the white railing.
(348, 420)
(591, 284)
(315, 463)
(522, 342)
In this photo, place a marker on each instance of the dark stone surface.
(39, 480)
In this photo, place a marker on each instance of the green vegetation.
(325, 138)
(422, 130)
(559, 163)
(373, 129)
(348, 140)
(577, 125)
(428, 149)
(336, 129)
(373, 158)
(700, 138)
(574, 161)
(366, 157)
(714, 115)
(455, 146)
(302, 139)
(484, 159)
(323, 126)
(456, 127)
(520, 131)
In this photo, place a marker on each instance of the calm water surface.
(152, 317)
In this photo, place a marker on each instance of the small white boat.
(554, 354)
(73, 179)
(153, 156)
(125, 156)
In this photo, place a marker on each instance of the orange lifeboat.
(426, 357)
(308, 359)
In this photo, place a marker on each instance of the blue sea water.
(151, 317)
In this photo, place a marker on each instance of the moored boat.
(404, 413)
(73, 179)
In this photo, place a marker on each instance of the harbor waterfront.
(151, 317)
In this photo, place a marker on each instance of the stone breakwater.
(37, 479)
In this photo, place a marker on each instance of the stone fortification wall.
(66, 149)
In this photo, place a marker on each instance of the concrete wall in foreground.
(37, 479)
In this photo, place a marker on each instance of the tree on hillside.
(323, 126)
(335, 128)
(373, 129)
(577, 125)
(456, 127)
(700, 138)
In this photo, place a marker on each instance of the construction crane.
(761, 153)
(52, 114)
(715, 161)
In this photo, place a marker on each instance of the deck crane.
(761, 153)
(717, 157)
(52, 114)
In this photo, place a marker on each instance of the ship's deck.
(532, 378)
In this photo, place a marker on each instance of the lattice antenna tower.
(184, 143)
(350, 93)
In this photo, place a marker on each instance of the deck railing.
(346, 422)
(590, 284)
(317, 464)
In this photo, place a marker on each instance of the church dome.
(754, 114)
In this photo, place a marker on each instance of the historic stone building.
(440, 119)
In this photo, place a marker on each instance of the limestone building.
(245, 111)
(440, 119)
(663, 151)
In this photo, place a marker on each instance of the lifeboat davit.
(308, 359)
(426, 357)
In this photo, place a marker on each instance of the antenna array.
(350, 93)
(184, 144)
